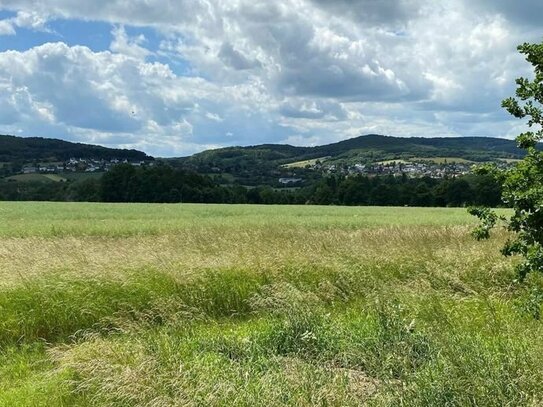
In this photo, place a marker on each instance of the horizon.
(155, 78)
(273, 144)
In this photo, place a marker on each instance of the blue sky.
(174, 78)
(95, 35)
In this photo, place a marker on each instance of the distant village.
(79, 165)
(412, 169)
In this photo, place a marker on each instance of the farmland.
(221, 305)
(36, 178)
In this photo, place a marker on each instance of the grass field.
(193, 305)
(304, 163)
(443, 160)
(388, 162)
(81, 176)
(72, 176)
(37, 178)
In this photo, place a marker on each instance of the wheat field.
(225, 305)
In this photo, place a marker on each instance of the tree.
(457, 192)
(522, 185)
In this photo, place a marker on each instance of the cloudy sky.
(173, 77)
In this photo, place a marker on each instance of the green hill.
(474, 148)
(371, 148)
(50, 150)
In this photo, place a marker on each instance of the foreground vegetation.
(162, 183)
(159, 305)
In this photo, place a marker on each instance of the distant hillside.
(369, 148)
(44, 149)
(474, 148)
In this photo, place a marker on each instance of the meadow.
(225, 305)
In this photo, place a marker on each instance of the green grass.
(37, 178)
(152, 305)
(82, 219)
(442, 160)
(304, 163)
(224, 175)
(79, 176)
(388, 162)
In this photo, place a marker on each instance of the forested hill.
(14, 149)
(360, 149)
(368, 148)
(473, 147)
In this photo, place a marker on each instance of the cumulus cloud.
(123, 44)
(388, 13)
(32, 20)
(135, 12)
(23, 19)
(236, 59)
(303, 71)
(527, 12)
(312, 109)
(6, 27)
(117, 99)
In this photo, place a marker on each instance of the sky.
(175, 77)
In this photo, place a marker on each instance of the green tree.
(422, 195)
(457, 192)
(523, 184)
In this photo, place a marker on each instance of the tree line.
(126, 183)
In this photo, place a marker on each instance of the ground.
(36, 178)
(218, 305)
(304, 163)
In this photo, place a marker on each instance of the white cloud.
(31, 20)
(6, 27)
(305, 70)
(123, 44)
(24, 19)
(114, 99)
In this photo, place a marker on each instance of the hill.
(261, 163)
(472, 148)
(275, 165)
(366, 147)
(50, 150)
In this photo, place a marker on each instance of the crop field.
(37, 178)
(443, 160)
(304, 163)
(224, 305)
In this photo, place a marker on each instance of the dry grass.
(162, 305)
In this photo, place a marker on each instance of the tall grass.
(231, 305)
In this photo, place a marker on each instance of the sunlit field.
(217, 305)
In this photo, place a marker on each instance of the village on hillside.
(78, 165)
(432, 168)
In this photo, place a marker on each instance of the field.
(37, 178)
(443, 160)
(72, 176)
(80, 176)
(304, 163)
(388, 162)
(194, 305)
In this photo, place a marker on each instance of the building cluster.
(413, 169)
(398, 168)
(78, 165)
(290, 180)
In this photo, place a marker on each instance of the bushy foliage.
(163, 183)
(523, 184)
